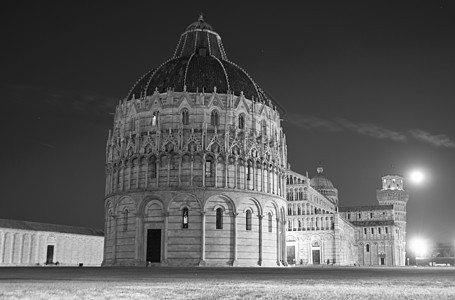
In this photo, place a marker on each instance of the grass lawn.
(227, 283)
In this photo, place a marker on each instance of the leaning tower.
(196, 164)
(393, 193)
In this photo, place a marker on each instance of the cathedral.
(197, 174)
(319, 231)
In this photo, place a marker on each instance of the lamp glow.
(420, 247)
(416, 176)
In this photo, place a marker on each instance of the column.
(245, 170)
(260, 239)
(21, 248)
(146, 179)
(202, 262)
(235, 214)
(191, 171)
(115, 181)
(114, 239)
(262, 178)
(2, 246)
(165, 238)
(283, 240)
(180, 170)
(157, 172)
(13, 240)
(108, 175)
(139, 253)
(274, 181)
(226, 171)
(35, 249)
(130, 167)
(216, 170)
(235, 173)
(120, 175)
(204, 162)
(278, 246)
(138, 164)
(253, 171)
(168, 169)
(278, 183)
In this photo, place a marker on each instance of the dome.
(199, 64)
(320, 181)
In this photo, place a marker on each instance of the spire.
(320, 169)
(201, 17)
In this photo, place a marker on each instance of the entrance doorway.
(291, 254)
(154, 245)
(316, 257)
(382, 261)
(50, 254)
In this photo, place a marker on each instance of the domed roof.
(320, 181)
(199, 24)
(199, 64)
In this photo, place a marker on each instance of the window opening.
(185, 217)
(248, 220)
(219, 218)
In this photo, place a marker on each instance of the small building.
(24, 243)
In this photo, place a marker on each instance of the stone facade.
(319, 231)
(196, 165)
(28, 243)
(197, 174)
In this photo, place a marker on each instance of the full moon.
(416, 176)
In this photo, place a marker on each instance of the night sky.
(368, 88)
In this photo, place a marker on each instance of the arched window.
(155, 118)
(241, 121)
(264, 127)
(125, 219)
(248, 220)
(219, 218)
(185, 117)
(208, 167)
(367, 247)
(185, 217)
(214, 120)
(270, 222)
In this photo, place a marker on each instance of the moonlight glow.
(416, 176)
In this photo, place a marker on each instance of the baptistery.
(196, 165)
